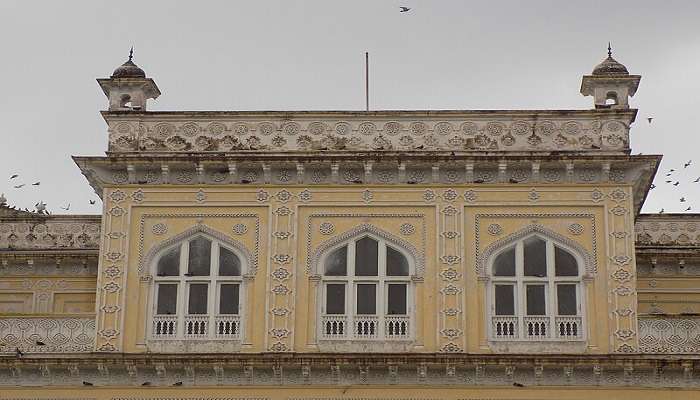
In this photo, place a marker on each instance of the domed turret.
(610, 84)
(129, 69)
(127, 88)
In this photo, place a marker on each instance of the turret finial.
(131, 53)
(609, 50)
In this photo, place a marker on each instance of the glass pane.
(564, 263)
(228, 299)
(535, 256)
(335, 298)
(504, 264)
(229, 263)
(397, 299)
(200, 257)
(366, 299)
(169, 263)
(167, 299)
(396, 263)
(535, 299)
(366, 252)
(337, 262)
(505, 301)
(566, 299)
(198, 299)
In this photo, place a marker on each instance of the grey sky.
(298, 55)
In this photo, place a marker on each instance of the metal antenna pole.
(366, 81)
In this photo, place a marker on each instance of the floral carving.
(407, 229)
(494, 229)
(284, 195)
(305, 195)
(429, 195)
(326, 228)
(470, 196)
(239, 229)
(262, 195)
(575, 229)
(367, 195)
(159, 229)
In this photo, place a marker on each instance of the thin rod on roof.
(366, 81)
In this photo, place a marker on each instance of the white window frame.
(525, 329)
(351, 318)
(234, 324)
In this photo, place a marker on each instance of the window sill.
(366, 346)
(548, 346)
(194, 345)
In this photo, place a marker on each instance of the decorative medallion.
(495, 229)
(305, 195)
(159, 229)
(575, 229)
(200, 196)
(284, 195)
(470, 196)
(326, 228)
(407, 229)
(262, 195)
(367, 195)
(240, 229)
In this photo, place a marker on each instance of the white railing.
(196, 326)
(46, 334)
(504, 327)
(164, 326)
(568, 327)
(333, 326)
(227, 326)
(669, 334)
(366, 326)
(396, 327)
(536, 327)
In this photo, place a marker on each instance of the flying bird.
(13, 176)
(661, 211)
(649, 119)
(66, 207)
(687, 209)
(676, 183)
(92, 202)
(697, 180)
(669, 181)
(652, 187)
(669, 174)
(36, 183)
(671, 170)
(86, 383)
(405, 9)
(682, 200)
(19, 186)
(686, 165)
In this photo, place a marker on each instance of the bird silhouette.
(686, 165)
(40, 343)
(687, 209)
(177, 383)
(516, 384)
(404, 9)
(682, 199)
(650, 119)
(671, 170)
(146, 383)
(697, 180)
(19, 186)
(66, 208)
(661, 211)
(36, 183)
(92, 202)
(676, 183)
(652, 187)
(86, 383)
(669, 174)
(668, 181)
(13, 176)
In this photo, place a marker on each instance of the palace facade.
(299, 255)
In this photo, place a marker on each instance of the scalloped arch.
(315, 257)
(199, 229)
(590, 265)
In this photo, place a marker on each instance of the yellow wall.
(450, 295)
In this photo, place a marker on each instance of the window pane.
(200, 257)
(504, 264)
(169, 263)
(337, 262)
(505, 301)
(396, 263)
(167, 299)
(564, 263)
(535, 257)
(535, 299)
(228, 299)
(335, 298)
(198, 299)
(229, 263)
(566, 299)
(366, 252)
(366, 299)
(397, 299)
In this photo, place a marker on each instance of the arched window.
(535, 292)
(198, 291)
(611, 98)
(366, 291)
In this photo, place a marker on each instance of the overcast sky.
(306, 55)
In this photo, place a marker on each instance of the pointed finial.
(131, 53)
(609, 50)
